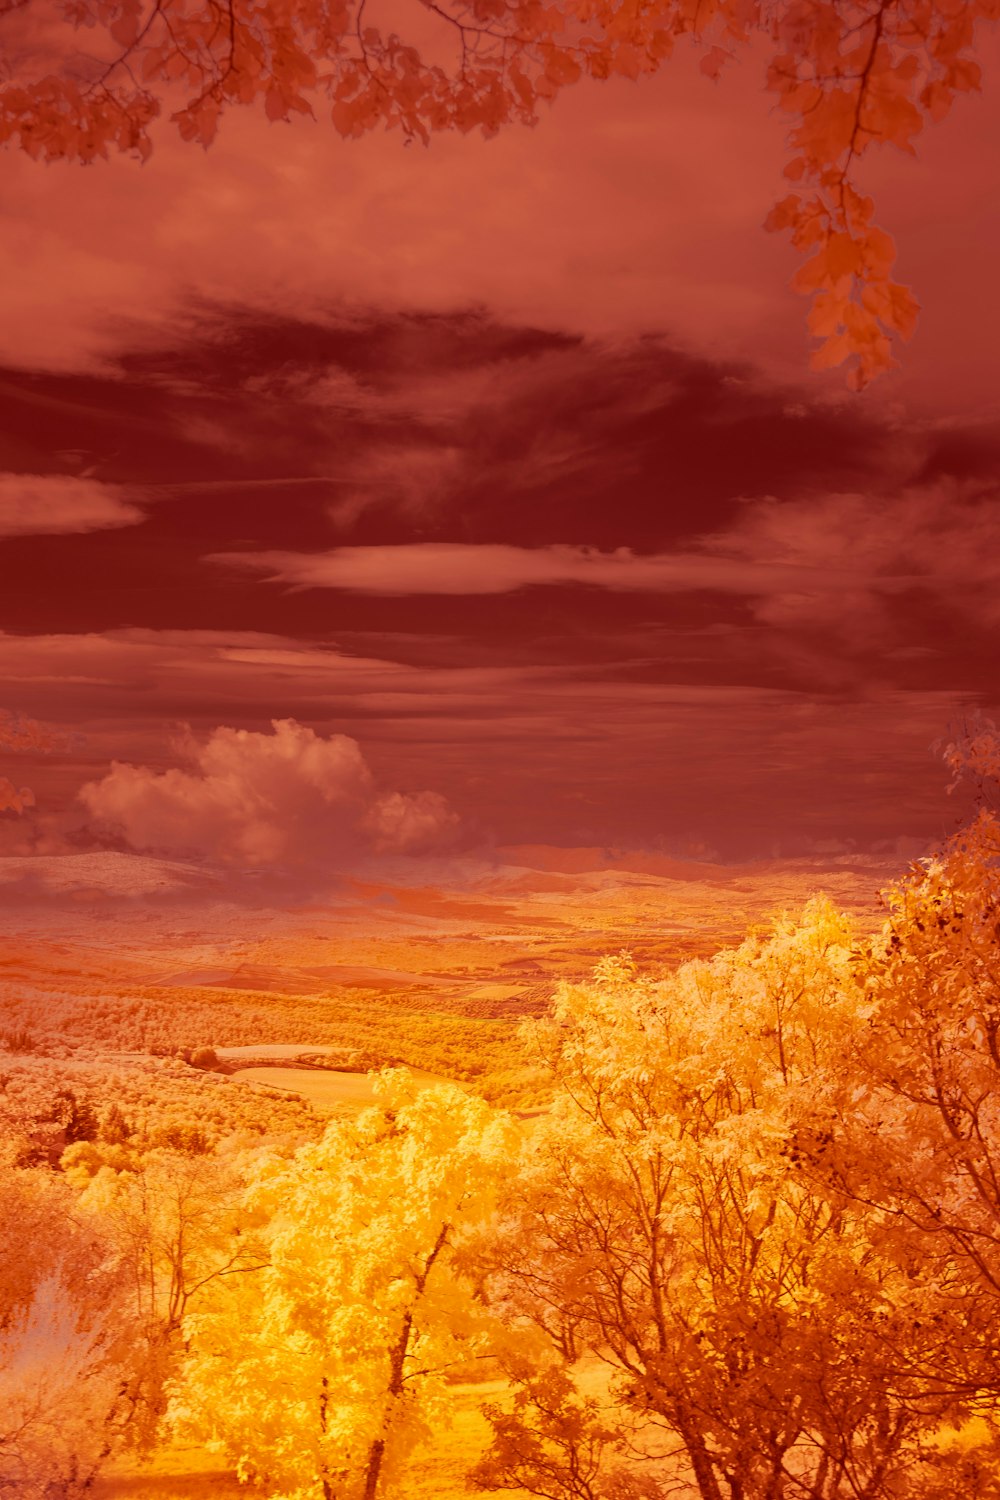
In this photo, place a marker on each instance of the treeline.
(765, 1202)
(47, 1105)
(71, 1016)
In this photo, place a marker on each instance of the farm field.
(212, 1021)
(116, 959)
(329, 1091)
(126, 955)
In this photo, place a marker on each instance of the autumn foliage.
(848, 76)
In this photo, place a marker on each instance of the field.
(329, 1091)
(115, 983)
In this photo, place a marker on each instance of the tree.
(752, 1314)
(176, 1219)
(848, 76)
(974, 755)
(319, 1374)
(926, 1142)
(68, 1347)
(558, 1444)
(175, 1224)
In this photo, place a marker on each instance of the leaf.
(560, 68)
(713, 62)
(965, 76)
(275, 106)
(827, 314)
(833, 351)
(125, 28)
(784, 214)
(843, 256)
(877, 253)
(937, 99)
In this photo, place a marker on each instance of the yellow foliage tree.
(848, 74)
(320, 1373)
(175, 1220)
(668, 1223)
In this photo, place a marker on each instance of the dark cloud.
(583, 589)
(272, 434)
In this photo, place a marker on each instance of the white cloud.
(942, 539)
(100, 260)
(496, 568)
(60, 504)
(286, 798)
(416, 824)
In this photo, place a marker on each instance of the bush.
(19, 1040)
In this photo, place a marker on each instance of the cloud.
(941, 541)
(59, 504)
(412, 479)
(15, 799)
(838, 562)
(615, 750)
(496, 568)
(601, 220)
(287, 798)
(417, 824)
(371, 223)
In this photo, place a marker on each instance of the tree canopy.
(320, 1374)
(847, 75)
(757, 1316)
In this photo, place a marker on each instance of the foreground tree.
(926, 1141)
(69, 1348)
(755, 1318)
(175, 1224)
(847, 75)
(319, 1374)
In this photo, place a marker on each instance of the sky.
(359, 498)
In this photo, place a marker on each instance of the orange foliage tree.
(848, 74)
(927, 1138)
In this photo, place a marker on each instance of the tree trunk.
(705, 1476)
(324, 1397)
(397, 1364)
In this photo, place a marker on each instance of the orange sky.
(501, 460)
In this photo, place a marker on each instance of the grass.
(436, 1472)
(328, 1090)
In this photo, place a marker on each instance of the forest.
(745, 1248)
